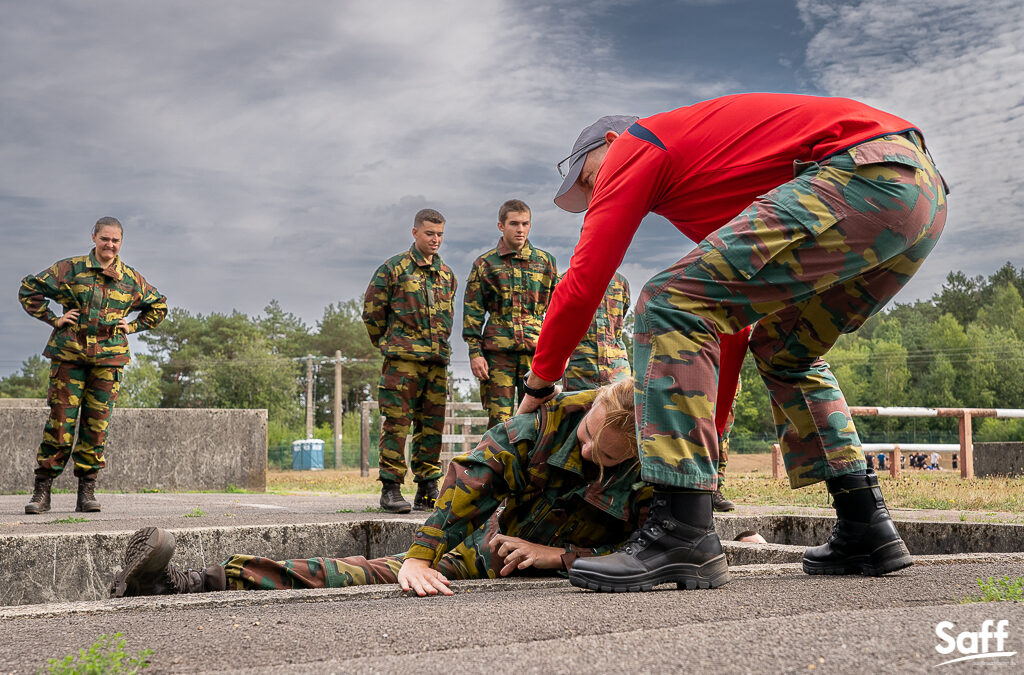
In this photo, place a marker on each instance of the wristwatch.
(543, 392)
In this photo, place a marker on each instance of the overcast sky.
(258, 150)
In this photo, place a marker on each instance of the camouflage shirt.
(602, 353)
(514, 288)
(103, 297)
(552, 496)
(407, 308)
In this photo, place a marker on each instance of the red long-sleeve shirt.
(698, 166)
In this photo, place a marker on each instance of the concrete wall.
(22, 402)
(999, 459)
(150, 449)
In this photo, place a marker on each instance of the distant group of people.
(918, 460)
(810, 214)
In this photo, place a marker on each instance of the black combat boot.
(391, 499)
(864, 539)
(40, 502)
(148, 570)
(677, 544)
(720, 503)
(426, 495)
(87, 493)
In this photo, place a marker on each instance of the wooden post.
(337, 409)
(364, 439)
(309, 396)
(966, 446)
(894, 462)
(776, 460)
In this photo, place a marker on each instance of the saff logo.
(982, 644)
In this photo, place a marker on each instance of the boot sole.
(87, 509)
(149, 550)
(712, 574)
(30, 511)
(400, 509)
(885, 559)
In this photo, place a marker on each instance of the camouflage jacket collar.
(611, 495)
(504, 249)
(115, 270)
(421, 260)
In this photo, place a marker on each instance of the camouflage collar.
(610, 495)
(504, 249)
(421, 260)
(114, 270)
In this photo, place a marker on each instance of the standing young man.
(811, 214)
(600, 358)
(88, 350)
(507, 294)
(408, 314)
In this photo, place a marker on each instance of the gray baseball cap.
(570, 196)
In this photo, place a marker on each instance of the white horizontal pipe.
(916, 447)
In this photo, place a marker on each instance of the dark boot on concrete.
(864, 539)
(426, 495)
(87, 494)
(40, 502)
(677, 544)
(148, 570)
(391, 499)
(720, 503)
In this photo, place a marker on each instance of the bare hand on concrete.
(417, 575)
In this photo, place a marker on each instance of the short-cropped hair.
(106, 221)
(427, 216)
(512, 206)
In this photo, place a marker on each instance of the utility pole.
(309, 396)
(337, 409)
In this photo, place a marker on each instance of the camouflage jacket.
(552, 497)
(514, 288)
(103, 297)
(601, 357)
(407, 308)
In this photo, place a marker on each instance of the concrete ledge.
(59, 567)
(150, 449)
(22, 402)
(999, 459)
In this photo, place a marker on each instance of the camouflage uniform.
(87, 358)
(513, 288)
(408, 315)
(601, 356)
(723, 445)
(808, 261)
(533, 465)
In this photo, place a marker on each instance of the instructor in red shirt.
(811, 213)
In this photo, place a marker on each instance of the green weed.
(68, 520)
(104, 656)
(195, 513)
(1000, 590)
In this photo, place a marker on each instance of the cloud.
(956, 69)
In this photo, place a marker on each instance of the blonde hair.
(619, 407)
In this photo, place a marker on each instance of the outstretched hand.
(516, 553)
(417, 575)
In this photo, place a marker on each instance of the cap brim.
(570, 196)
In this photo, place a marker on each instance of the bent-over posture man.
(88, 350)
(407, 310)
(566, 474)
(811, 214)
(507, 293)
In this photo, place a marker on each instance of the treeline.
(963, 347)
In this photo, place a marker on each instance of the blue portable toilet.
(308, 455)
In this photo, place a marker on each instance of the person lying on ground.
(567, 473)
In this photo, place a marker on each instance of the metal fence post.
(966, 446)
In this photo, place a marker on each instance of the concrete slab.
(768, 619)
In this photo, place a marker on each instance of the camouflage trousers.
(808, 261)
(590, 373)
(411, 393)
(502, 391)
(81, 394)
(469, 560)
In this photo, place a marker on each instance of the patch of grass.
(235, 490)
(149, 490)
(333, 481)
(195, 513)
(106, 655)
(345, 511)
(68, 520)
(1000, 590)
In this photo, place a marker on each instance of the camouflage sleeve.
(640, 506)
(475, 486)
(151, 305)
(376, 306)
(473, 313)
(36, 290)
